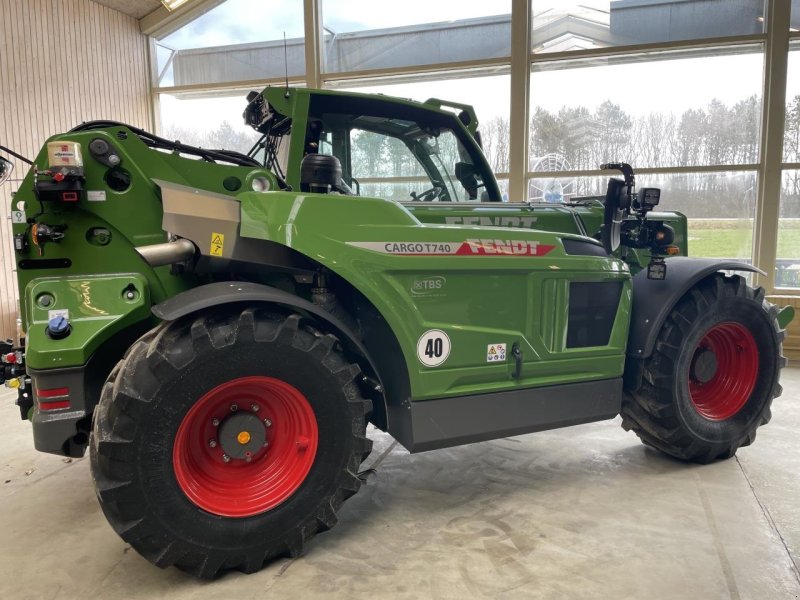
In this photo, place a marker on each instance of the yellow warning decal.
(217, 244)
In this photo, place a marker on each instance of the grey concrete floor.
(584, 512)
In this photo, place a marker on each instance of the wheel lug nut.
(212, 443)
(234, 407)
(248, 457)
(255, 407)
(226, 458)
(267, 423)
(215, 422)
(266, 444)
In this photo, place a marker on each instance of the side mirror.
(6, 168)
(465, 173)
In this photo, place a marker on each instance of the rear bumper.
(61, 415)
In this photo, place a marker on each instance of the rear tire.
(713, 374)
(168, 490)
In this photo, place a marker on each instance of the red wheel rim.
(242, 487)
(725, 393)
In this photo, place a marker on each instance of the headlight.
(260, 184)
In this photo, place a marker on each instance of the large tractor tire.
(713, 373)
(224, 440)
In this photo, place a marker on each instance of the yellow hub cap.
(243, 437)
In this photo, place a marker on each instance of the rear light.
(53, 399)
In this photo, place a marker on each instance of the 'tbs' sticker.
(433, 348)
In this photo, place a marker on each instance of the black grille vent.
(592, 309)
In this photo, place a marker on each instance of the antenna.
(286, 65)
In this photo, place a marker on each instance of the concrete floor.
(585, 512)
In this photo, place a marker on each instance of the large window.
(208, 122)
(791, 133)
(787, 267)
(650, 110)
(239, 40)
(560, 26)
(364, 34)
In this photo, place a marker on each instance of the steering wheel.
(616, 203)
(428, 195)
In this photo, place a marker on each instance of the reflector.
(6, 168)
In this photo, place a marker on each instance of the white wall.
(62, 62)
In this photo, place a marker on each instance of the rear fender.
(221, 293)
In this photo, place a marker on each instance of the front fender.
(654, 299)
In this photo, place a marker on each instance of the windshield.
(408, 155)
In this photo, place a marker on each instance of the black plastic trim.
(575, 247)
(447, 422)
(44, 263)
(654, 299)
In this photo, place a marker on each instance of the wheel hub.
(704, 365)
(242, 435)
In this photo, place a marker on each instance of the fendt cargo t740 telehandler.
(219, 328)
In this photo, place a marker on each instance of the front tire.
(222, 441)
(713, 374)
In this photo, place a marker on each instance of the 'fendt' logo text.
(524, 222)
(513, 247)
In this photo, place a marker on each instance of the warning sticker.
(217, 244)
(96, 195)
(496, 353)
(471, 247)
(17, 216)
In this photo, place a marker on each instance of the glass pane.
(650, 110)
(794, 22)
(488, 95)
(787, 266)
(363, 34)
(560, 26)
(208, 122)
(719, 206)
(791, 134)
(239, 40)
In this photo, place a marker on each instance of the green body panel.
(484, 300)
(132, 217)
(97, 307)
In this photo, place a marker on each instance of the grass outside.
(733, 238)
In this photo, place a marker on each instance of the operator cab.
(387, 148)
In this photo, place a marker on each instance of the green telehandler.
(218, 329)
